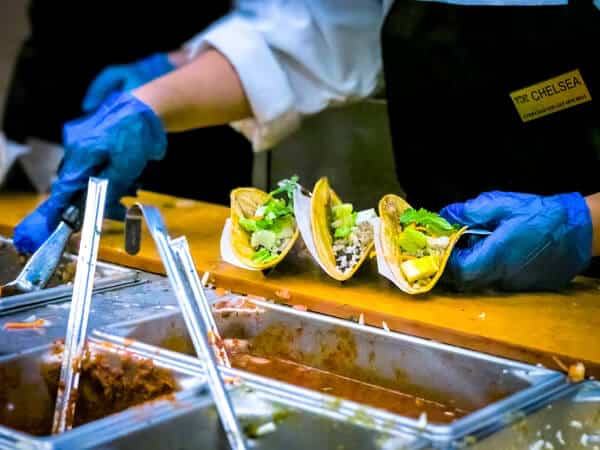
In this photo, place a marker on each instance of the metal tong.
(194, 306)
(80, 306)
(477, 232)
(43, 263)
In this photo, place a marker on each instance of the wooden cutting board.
(533, 327)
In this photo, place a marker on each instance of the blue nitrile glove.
(114, 143)
(125, 77)
(537, 243)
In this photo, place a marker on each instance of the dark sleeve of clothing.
(70, 42)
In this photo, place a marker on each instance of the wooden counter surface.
(533, 327)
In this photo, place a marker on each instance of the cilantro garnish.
(433, 222)
(273, 221)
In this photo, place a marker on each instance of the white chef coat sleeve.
(297, 58)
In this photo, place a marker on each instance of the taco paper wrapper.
(227, 252)
(382, 265)
(302, 208)
(302, 213)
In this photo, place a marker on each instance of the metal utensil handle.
(194, 307)
(182, 250)
(80, 305)
(42, 265)
(181, 246)
(477, 232)
(44, 262)
(192, 314)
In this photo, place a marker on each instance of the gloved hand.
(537, 243)
(125, 77)
(114, 143)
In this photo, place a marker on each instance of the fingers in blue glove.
(110, 80)
(123, 78)
(116, 142)
(487, 209)
(37, 227)
(537, 242)
(507, 252)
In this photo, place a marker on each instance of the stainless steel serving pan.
(275, 419)
(24, 396)
(567, 418)
(108, 276)
(490, 388)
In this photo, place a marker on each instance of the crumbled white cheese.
(441, 242)
(559, 437)
(365, 216)
(537, 445)
(266, 428)
(576, 424)
(482, 316)
(548, 427)
(548, 446)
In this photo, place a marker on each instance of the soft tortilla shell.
(323, 197)
(244, 202)
(390, 208)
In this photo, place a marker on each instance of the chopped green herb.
(263, 255)
(434, 223)
(334, 405)
(287, 187)
(361, 417)
(273, 222)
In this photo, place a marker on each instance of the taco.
(416, 243)
(343, 238)
(263, 226)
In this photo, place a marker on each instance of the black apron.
(72, 41)
(449, 72)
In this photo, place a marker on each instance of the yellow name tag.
(550, 96)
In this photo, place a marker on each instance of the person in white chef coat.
(262, 69)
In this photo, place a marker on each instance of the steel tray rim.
(490, 414)
(120, 277)
(124, 421)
